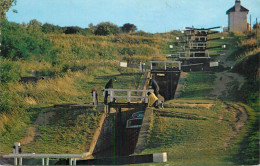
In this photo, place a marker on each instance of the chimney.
(237, 5)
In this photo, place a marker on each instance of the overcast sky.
(148, 15)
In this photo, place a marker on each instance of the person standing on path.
(109, 85)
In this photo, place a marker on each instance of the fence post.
(16, 151)
(94, 95)
(143, 67)
(145, 97)
(20, 161)
(111, 95)
(140, 66)
(128, 96)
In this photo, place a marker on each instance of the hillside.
(216, 120)
(70, 66)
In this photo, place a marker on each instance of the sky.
(148, 15)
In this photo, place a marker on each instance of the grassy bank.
(198, 85)
(192, 135)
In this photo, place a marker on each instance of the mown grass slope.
(192, 135)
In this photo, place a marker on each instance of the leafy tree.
(19, 42)
(91, 28)
(106, 28)
(49, 28)
(73, 30)
(34, 26)
(256, 26)
(128, 28)
(5, 6)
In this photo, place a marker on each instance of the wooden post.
(74, 161)
(145, 97)
(140, 66)
(70, 161)
(94, 94)
(15, 161)
(20, 161)
(111, 95)
(129, 96)
(47, 161)
(42, 161)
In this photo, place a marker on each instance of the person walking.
(109, 85)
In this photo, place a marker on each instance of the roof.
(242, 9)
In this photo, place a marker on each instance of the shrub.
(106, 28)
(9, 72)
(19, 42)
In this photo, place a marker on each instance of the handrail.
(166, 62)
(112, 95)
(72, 157)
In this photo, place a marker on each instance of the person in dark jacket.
(109, 85)
(154, 86)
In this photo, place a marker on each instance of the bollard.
(20, 161)
(16, 151)
(94, 95)
(140, 66)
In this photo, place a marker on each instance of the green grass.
(68, 131)
(192, 136)
(13, 130)
(73, 87)
(198, 85)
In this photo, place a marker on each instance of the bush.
(128, 28)
(19, 42)
(106, 28)
(9, 72)
(49, 28)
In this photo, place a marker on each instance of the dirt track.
(223, 81)
(241, 117)
(32, 132)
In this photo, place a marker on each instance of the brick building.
(237, 18)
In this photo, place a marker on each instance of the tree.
(256, 26)
(34, 26)
(128, 28)
(5, 6)
(106, 28)
(20, 43)
(91, 28)
(49, 28)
